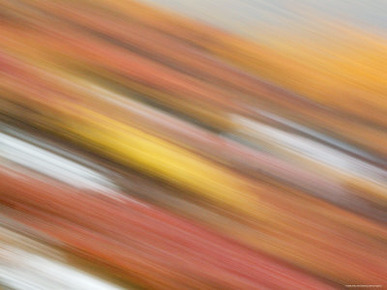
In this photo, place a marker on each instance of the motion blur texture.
(191, 144)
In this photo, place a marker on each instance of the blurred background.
(191, 144)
